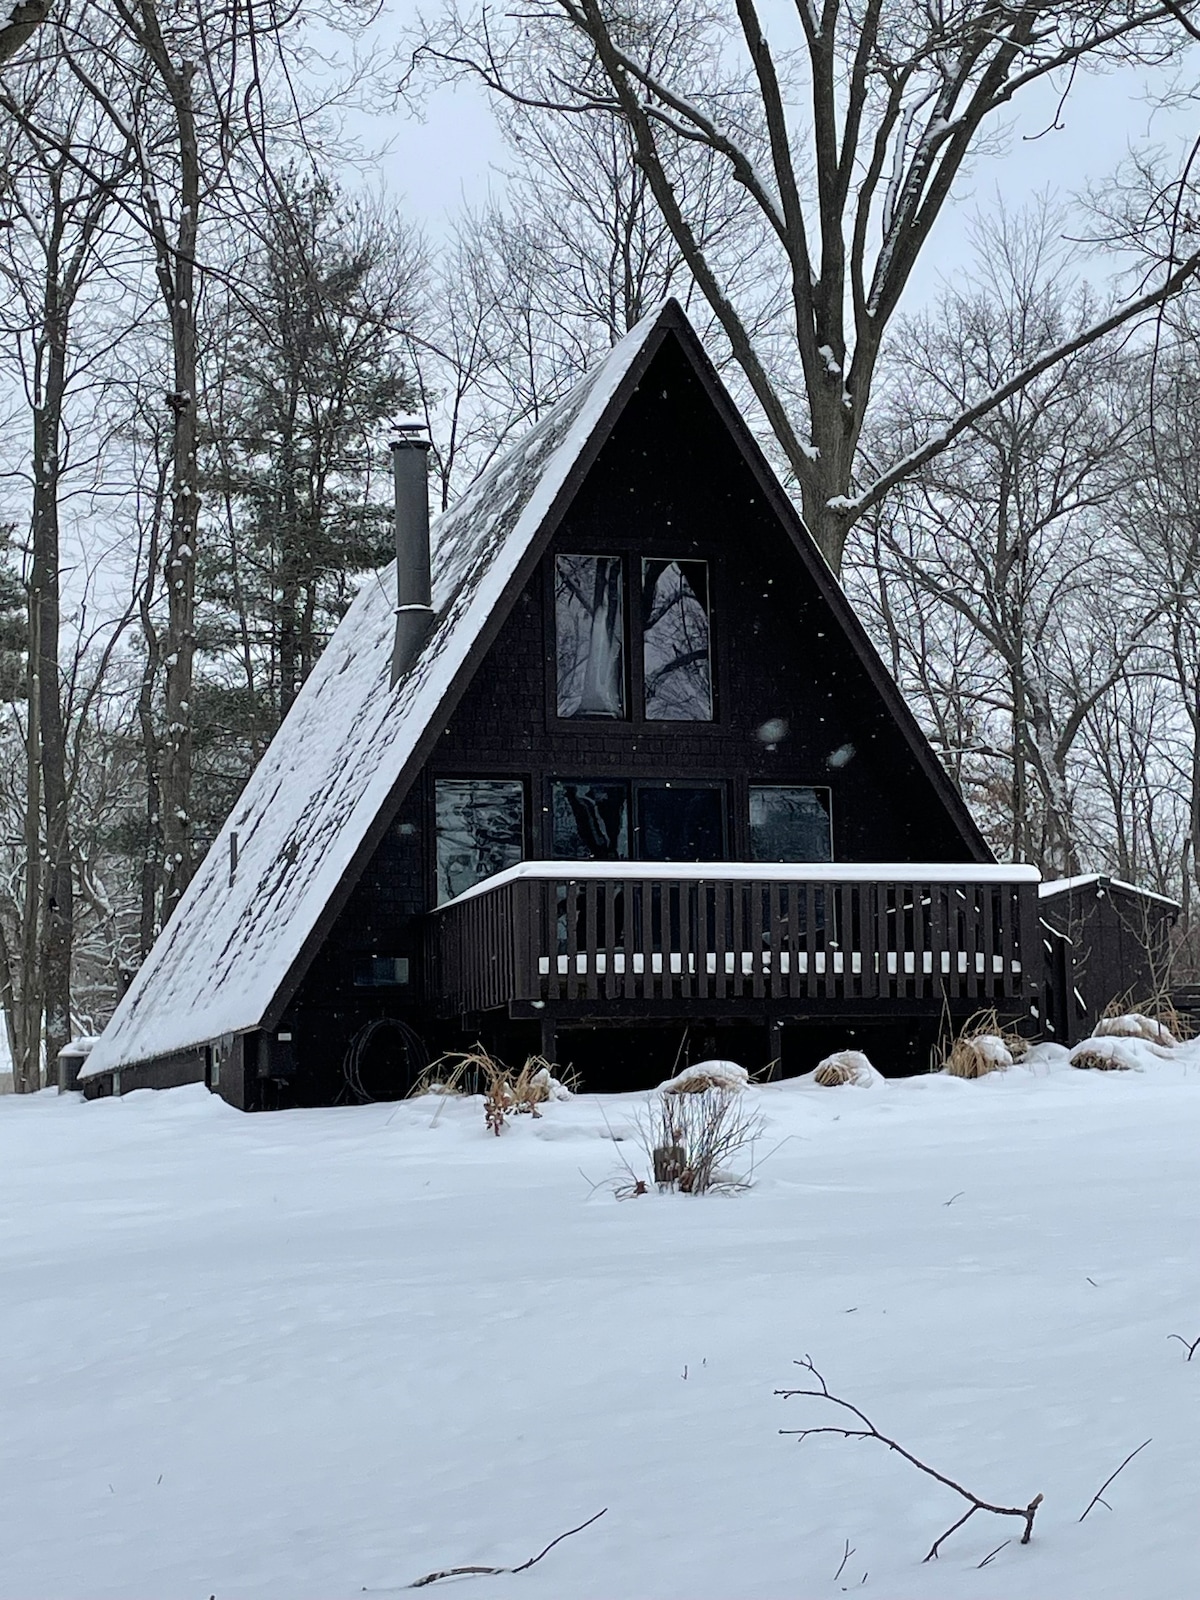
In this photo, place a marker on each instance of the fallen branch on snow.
(1190, 1348)
(493, 1572)
(868, 1430)
(1096, 1500)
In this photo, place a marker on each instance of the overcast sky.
(452, 157)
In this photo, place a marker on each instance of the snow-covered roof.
(1101, 880)
(311, 801)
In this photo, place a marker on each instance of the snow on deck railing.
(761, 872)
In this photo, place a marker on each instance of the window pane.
(589, 613)
(675, 641)
(679, 824)
(790, 825)
(591, 821)
(480, 830)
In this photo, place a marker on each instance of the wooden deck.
(669, 934)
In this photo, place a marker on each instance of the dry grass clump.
(705, 1075)
(1110, 1053)
(983, 1046)
(506, 1091)
(844, 1066)
(1135, 1025)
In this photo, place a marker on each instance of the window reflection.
(790, 825)
(590, 821)
(676, 642)
(589, 614)
(480, 830)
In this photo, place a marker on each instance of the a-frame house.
(630, 784)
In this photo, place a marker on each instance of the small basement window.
(380, 972)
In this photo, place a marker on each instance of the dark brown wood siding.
(669, 482)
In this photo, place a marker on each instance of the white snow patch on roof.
(312, 799)
(1102, 880)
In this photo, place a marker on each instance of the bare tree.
(1009, 534)
(57, 241)
(898, 99)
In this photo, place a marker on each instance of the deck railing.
(647, 931)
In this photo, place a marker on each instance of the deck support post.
(549, 1038)
(774, 1050)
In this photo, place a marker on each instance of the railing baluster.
(775, 922)
(703, 905)
(572, 904)
(631, 902)
(887, 923)
(811, 940)
(758, 942)
(988, 941)
(973, 895)
(591, 940)
(682, 894)
(721, 946)
(738, 937)
(609, 913)
(795, 978)
(647, 940)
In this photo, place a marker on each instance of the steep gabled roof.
(313, 798)
(320, 798)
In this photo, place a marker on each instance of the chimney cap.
(410, 436)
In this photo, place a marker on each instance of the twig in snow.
(1096, 1500)
(988, 1559)
(846, 1554)
(954, 1197)
(868, 1430)
(492, 1572)
(1190, 1348)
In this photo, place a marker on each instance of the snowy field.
(317, 1354)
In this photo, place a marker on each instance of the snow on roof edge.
(1063, 885)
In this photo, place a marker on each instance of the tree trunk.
(57, 921)
(177, 280)
(27, 1015)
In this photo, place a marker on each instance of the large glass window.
(678, 823)
(676, 645)
(790, 825)
(480, 830)
(589, 616)
(590, 821)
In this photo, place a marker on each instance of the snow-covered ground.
(314, 1354)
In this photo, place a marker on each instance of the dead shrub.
(691, 1137)
(844, 1066)
(507, 1092)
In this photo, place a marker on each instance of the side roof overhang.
(316, 807)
